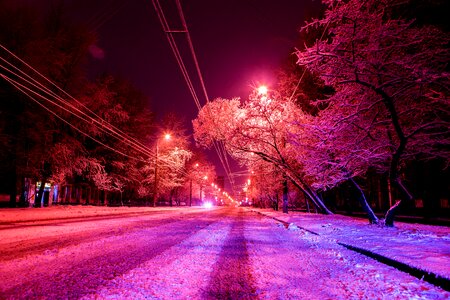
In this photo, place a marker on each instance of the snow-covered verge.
(424, 247)
(306, 266)
(71, 211)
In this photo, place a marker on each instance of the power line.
(169, 34)
(218, 145)
(102, 125)
(23, 89)
(75, 113)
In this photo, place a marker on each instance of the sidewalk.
(415, 248)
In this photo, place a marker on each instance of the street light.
(262, 90)
(167, 137)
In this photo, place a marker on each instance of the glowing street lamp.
(262, 90)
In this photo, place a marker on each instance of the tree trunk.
(25, 187)
(276, 203)
(285, 197)
(40, 194)
(297, 180)
(13, 188)
(363, 201)
(390, 214)
(311, 195)
(395, 162)
(307, 203)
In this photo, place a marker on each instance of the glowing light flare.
(262, 90)
(167, 136)
(207, 205)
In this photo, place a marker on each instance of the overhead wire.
(101, 125)
(304, 70)
(169, 33)
(62, 107)
(26, 91)
(105, 14)
(175, 50)
(21, 88)
(220, 147)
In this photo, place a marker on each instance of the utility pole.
(155, 197)
(167, 137)
(190, 193)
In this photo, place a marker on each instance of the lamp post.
(167, 137)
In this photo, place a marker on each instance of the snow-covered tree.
(57, 50)
(266, 184)
(391, 81)
(199, 173)
(258, 127)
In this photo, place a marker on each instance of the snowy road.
(188, 253)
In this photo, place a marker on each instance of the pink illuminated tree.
(391, 81)
(259, 128)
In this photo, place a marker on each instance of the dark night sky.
(239, 43)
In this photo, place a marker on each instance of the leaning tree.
(391, 83)
(258, 127)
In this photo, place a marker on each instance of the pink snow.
(284, 264)
(421, 246)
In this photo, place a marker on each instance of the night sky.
(239, 44)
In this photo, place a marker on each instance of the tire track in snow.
(99, 229)
(78, 270)
(231, 277)
(181, 272)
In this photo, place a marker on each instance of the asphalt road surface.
(222, 253)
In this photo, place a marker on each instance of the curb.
(430, 277)
(286, 224)
(427, 276)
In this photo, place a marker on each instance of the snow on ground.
(421, 246)
(306, 266)
(23, 220)
(181, 272)
(20, 215)
(193, 253)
